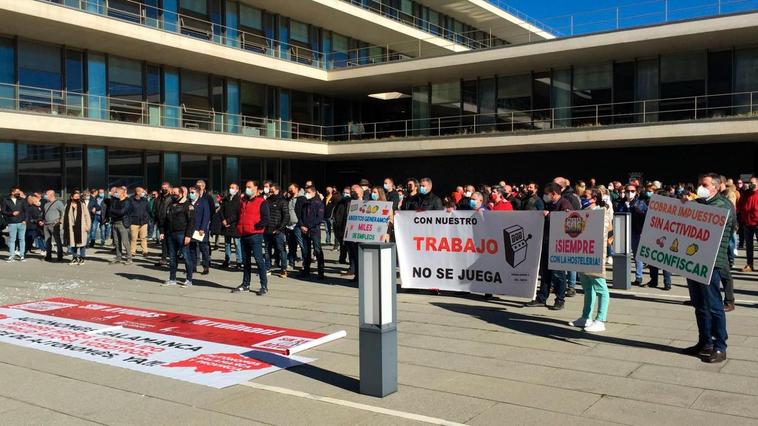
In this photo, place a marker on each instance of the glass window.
(194, 167)
(514, 98)
(170, 17)
(592, 94)
(96, 171)
(153, 80)
(231, 171)
(250, 169)
(561, 97)
(39, 65)
(195, 101)
(231, 22)
(39, 167)
(272, 170)
(647, 88)
(171, 167)
(153, 166)
(446, 105)
(7, 164)
(299, 31)
(542, 115)
(7, 73)
(746, 79)
(719, 83)
(232, 106)
(97, 106)
(301, 112)
(74, 71)
(171, 97)
(623, 92)
(125, 88)
(197, 6)
(74, 168)
(284, 112)
(682, 76)
(251, 17)
(125, 168)
(340, 47)
(420, 110)
(253, 99)
(215, 185)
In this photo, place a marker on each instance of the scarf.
(77, 225)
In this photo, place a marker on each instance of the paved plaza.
(462, 359)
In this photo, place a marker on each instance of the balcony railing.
(741, 105)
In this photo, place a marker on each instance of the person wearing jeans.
(230, 210)
(654, 272)
(253, 218)
(119, 216)
(14, 210)
(309, 223)
(274, 235)
(177, 227)
(637, 207)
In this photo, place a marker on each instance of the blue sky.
(599, 15)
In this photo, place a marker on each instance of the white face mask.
(232, 192)
(308, 196)
(467, 194)
(703, 192)
(547, 198)
(266, 190)
(630, 195)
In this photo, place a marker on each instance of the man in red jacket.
(499, 203)
(253, 218)
(748, 209)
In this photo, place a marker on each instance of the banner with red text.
(682, 238)
(483, 252)
(577, 241)
(207, 351)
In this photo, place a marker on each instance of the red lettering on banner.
(456, 245)
(223, 363)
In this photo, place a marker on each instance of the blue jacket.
(98, 206)
(312, 214)
(638, 209)
(202, 215)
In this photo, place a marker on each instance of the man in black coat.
(160, 206)
(426, 199)
(339, 215)
(230, 211)
(274, 236)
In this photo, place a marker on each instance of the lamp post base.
(378, 360)
(622, 271)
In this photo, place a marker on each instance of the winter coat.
(10, 206)
(76, 225)
(230, 211)
(138, 211)
(279, 214)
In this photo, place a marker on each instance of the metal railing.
(737, 105)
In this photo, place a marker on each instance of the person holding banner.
(706, 297)
(594, 284)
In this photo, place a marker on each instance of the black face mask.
(354, 195)
(164, 191)
(751, 187)
(175, 198)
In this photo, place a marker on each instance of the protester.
(594, 284)
(426, 200)
(118, 212)
(95, 208)
(34, 224)
(202, 216)
(52, 214)
(178, 225)
(138, 220)
(230, 209)
(748, 209)
(253, 219)
(160, 208)
(275, 233)
(706, 297)
(340, 223)
(14, 211)
(499, 202)
(532, 200)
(329, 194)
(634, 205)
(391, 193)
(76, 225)
(311, 217)
(294, 234)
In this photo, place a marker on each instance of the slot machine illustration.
(515, 245)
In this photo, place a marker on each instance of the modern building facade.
(123, 92)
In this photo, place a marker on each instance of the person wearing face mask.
(160, 208)
(309, 223)
(76, 226)
(426, 199)
(14, 211)
(340, 223)
(410, 202)
(108, 225)
(177, 228)
(95, 209)
(706, 297)
(138, 218)
(356, 193)
(748, 214)
(465, 202)
(499, 203)
(476, 202)
(366, 187)
(532, 200)
(34, 224)
(230, 208)
(635, 206)
(333, 198)
(391, 193)
(205, 245)
(202, 226)
(554, 201)
(274, 237)
(253, 219)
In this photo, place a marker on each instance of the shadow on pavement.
(550, 328)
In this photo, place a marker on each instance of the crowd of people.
(278, 227)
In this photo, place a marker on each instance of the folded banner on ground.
(485, 252)
(206, 351)
(577, 241)
(682, 238)
(367, 221)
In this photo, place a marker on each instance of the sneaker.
(651, 284)
(262, 292)
(81, 261)
(240, 289)
(268, 273)
(581, 323)
(115, 261)
(74, 261)
(571, 292)
(747, 268)
(206, 270)
(127, 262)
(609, 261)
(557, 306)
(638, 283)
(535, 303)
(43, 252)
(186, 283)
(168, 283)
(595, 327)
(11, 259)
(22, 259)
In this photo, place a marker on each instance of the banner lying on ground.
(367, 221)
(577, 241)
(206, 351)
(682, 238)
(484, 252)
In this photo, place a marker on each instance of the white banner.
(483, 252)
(367, 221)
(682, 238)
(577, 241)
